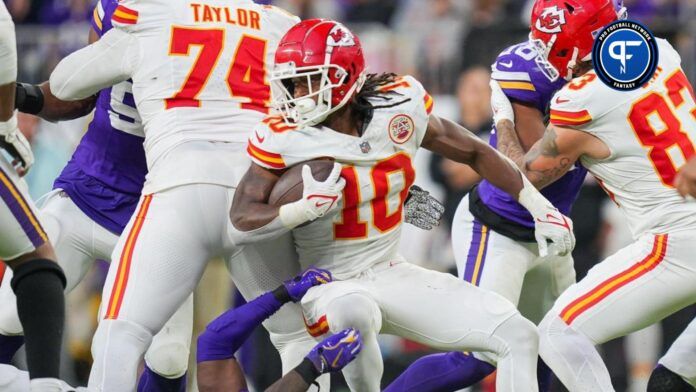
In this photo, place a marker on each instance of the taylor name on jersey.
(378, 168)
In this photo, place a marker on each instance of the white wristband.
(294, 214)
(531, 199)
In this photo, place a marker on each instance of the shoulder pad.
(410, 88)
(267, 142)
(138, 16)
(520, 77)
(572, 105)
(101, 16)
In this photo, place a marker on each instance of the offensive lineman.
(610, 133)
(94, 198)
(199, 82)
(374, 125)
(38, 280)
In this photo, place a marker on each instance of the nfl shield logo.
(365, 147)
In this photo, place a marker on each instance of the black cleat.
(665, 380)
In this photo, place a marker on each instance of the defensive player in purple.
(217, 368)
(493, 235)
(93, 199)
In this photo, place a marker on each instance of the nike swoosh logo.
(506, 65)
(261, 139)
(561, 100)
(335, 361)
(556, 221)
(325, 200)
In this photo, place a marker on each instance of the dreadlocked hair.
(373, 89)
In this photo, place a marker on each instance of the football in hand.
(289, 187)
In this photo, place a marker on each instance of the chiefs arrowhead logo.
(551, 20)
(340, 36)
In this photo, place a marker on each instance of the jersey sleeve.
(136, 16)
(110, 60)
(572, 106)
(282, 20)
(267, 145)
(513, 75)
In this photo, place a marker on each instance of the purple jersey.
(522, 80)
(106, 173)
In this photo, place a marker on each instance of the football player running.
(94, 198)
(609, 132)
(38, 281)
(373, 125)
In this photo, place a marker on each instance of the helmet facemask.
(543, 49)
(314, 107)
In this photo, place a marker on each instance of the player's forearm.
(498, 170)
(455, 142)
(97, 66)
(38, 100)
(224, 335)
(254, 222)
(220, 376)
(298, 380)
(509, 143)
(7, 101)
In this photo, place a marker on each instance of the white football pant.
(510, 268)
(637, 286)
(429, 307)
(78, 242)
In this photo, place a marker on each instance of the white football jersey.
(650, 132)
(200, 73)
(378, 168)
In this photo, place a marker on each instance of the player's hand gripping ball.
(422, 210)
(308, 191)
(336, 351)
(299, 285)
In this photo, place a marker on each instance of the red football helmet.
(316, 49)
(563, 31)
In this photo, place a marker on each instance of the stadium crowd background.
(447, 44)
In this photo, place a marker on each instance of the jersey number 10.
(246, 77)
(351, 226)
(673, 134)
